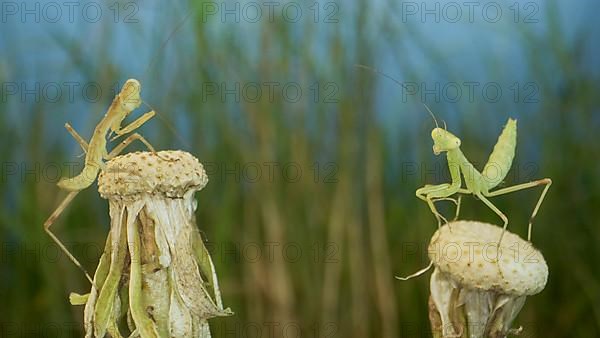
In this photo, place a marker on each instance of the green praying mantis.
(95, 151)
(123, 104)
(478, 184)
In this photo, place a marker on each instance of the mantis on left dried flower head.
(123, 104)
(95, 151)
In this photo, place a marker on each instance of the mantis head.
(130, 95)
(129, 100)
(443, 140)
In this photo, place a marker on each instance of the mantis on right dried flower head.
(477, 183)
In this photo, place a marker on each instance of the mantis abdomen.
(81, 181)
(501, 158)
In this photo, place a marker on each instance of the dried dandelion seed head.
(171, 174)
(478, 288)
(155, 278)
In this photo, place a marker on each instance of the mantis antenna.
(164, 43)
(153, 61)
(95, 152)
(150, 66)
(377, 71)
(433, 116)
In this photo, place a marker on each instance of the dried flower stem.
(156, 277)
(477, 288)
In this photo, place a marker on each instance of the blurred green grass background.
(316, 249)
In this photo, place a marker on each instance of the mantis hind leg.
(129, 128)
(77, 137)
(498, 212)
(49, 223)
(546, 181)
(133, 125)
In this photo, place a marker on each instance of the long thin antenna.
(432, 115)
(375, 70)
(153, 60)
(164, 43)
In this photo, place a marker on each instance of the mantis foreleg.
(51, 220)
(456, 202)
(118, 149)
(134, 125)
(459, 199)
(546, 181)
(129, 128)
(431, 193)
